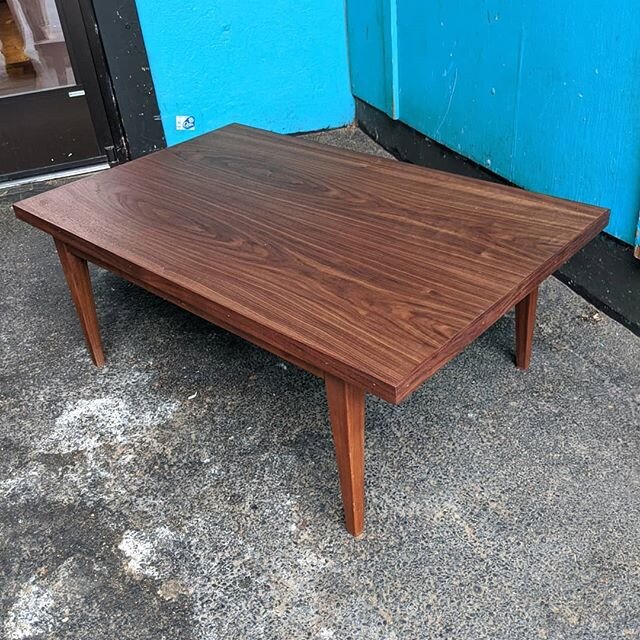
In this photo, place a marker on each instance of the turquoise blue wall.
(371, 52)
(546, 94)
(280, 65)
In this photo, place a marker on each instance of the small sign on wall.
(185, 123)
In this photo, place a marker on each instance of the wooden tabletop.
(375, 271)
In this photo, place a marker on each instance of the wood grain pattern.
(78, 279)
(346, 411)
(370, 270)
(525, 328)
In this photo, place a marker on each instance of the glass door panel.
(33, 52)
(45, 121)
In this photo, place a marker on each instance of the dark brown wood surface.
(373, 271)
(346, 412)
(76, 272)
(525, 328)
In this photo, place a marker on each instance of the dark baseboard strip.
(605, 272)
(409, 145)
(607, 275)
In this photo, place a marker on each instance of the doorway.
(51, 111)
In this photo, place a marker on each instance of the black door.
(46, 123)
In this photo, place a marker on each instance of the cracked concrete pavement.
(188, 489)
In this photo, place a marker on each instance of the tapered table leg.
(77, 274)
(525, 325)
(346, 411)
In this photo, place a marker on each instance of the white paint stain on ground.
(31, 614)
(140, 554)
(104, 431)
(149, 554)
(87, 424)
(24, 485)
(41, 606)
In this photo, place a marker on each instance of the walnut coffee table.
(369, 273)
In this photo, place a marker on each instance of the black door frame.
(112, 59)
(123, 68)
(89, 64)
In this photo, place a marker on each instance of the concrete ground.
(188, 489)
